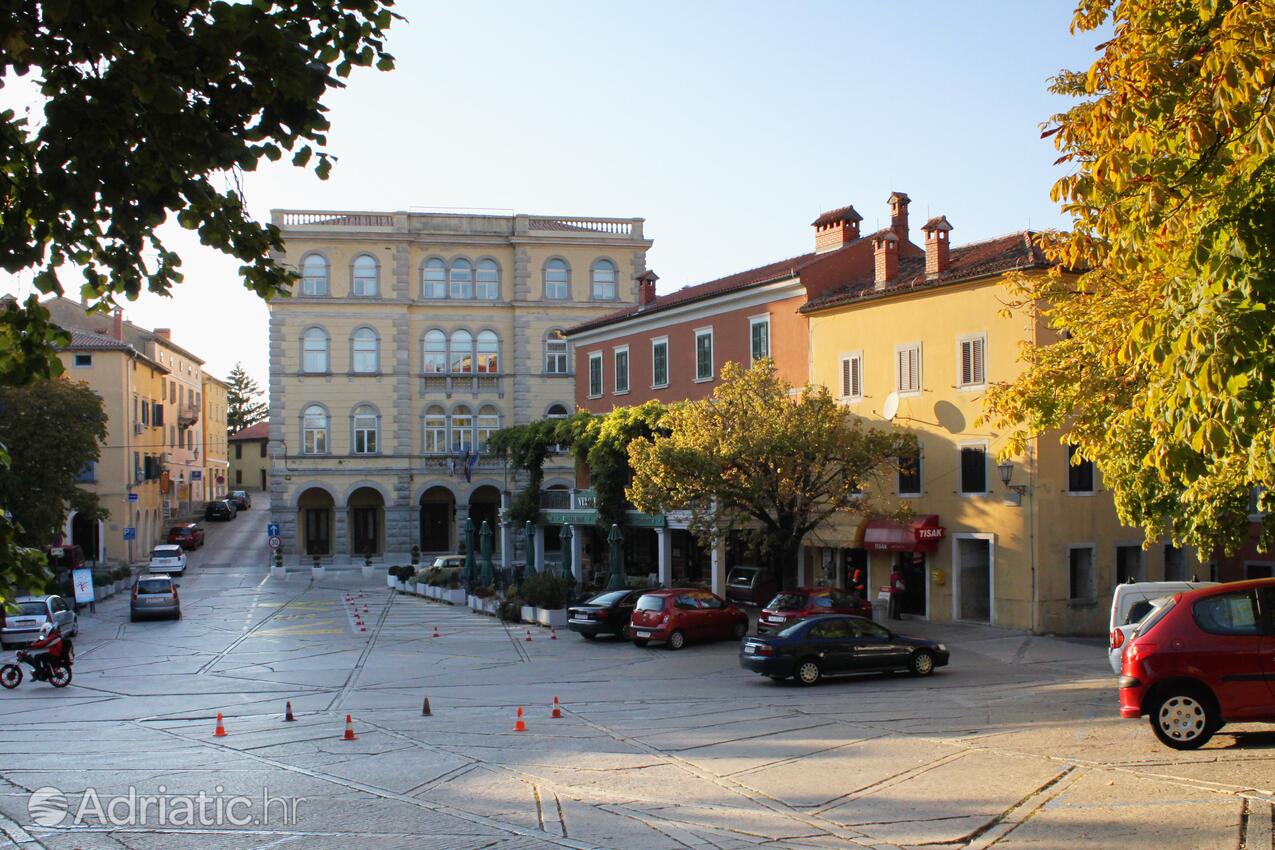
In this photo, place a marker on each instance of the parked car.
(242, 501)
(189, 535)
(680, 615)
(168, 558)
(23, 625)
(750, 585)
(154, 596)
(810, 649)
(451, 565)
(222, 509)
(1204, 658)
(607, 613)
(789, 606)
(1133, 601)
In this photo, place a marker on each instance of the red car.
(1205, 658)
(188, 536)
(683, 614)
(792, 605)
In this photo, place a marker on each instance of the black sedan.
(222, 509)
(607, 613)
(811, 649)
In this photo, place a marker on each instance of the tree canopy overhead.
(1165, 375)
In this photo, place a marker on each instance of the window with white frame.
(488, 424)
(461, 280)
(557, 353)
(435, 430)
(604, 278)
(621, 356)
(908, 368)
(704, 354)
(314, 350)
(488, 348)
(973, 365)
(364, 281)
(557, 280)
(759, 337)
(595, 374)
(488, 280)
(435, 353)
(659, 362)
(366, 430)
(434, 278)
(314, 430)
(366, 351)
(557, 410)
(973, 468)
(1082, 582)
(462, 428)
(852, 376)
(461, 351)
(314, 275)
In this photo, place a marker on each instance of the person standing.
(858, 583)
(896, 593)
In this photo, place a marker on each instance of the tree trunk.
(782, 554)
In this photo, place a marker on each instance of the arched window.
(488, 424)
(462, 351)
(462, 279)
(488, 280)
(462, 429)
(364, 281)
(367, 428)
(488, 352)
(314, 430)
(314, 275)
(556, 411)
(557, 280)
(435, 428)
(604, 278)
(435, 356)
(366, 354)
(314, 350)
(557, 354)
(434, 279)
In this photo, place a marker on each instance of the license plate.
(775, 619)
(644, 634)
(750, 649)
(22, 622)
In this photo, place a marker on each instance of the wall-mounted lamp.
(1015, 496)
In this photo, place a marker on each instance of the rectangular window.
(238, 451)
(157, 415)
(595, 374)
(88, 474)
(1129, 564)
(238, 476)
(908, 368)
(82, 360)
(263, 448)
(146, 413)
(973, 469)
(852, 376)
(556, 354)
(137, 466)
(621, 370)
(1174, 563)
(759, 337)
(172, 393)
(910, 475)
(704, 354)
(462, 432)
(973, 366)
(435, 433)
(1079, 473)
(659, 362)
(364, 435)
(1081, 584)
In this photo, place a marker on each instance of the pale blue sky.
(728, 125)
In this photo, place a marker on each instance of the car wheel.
(740, 630)
(677, 639)
(641, 641)
(1184, 718)
(921, 663)
(809, 672)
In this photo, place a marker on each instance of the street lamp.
(1006, 470)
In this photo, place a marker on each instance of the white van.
(1131, 602)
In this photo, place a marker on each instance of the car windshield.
(180, 531)
(239, 493)
(788, 602)
(154, 585)
(212, 505)
(742, 577)
(651, 603)
(31, 609)
(609, 598)
(166, 552)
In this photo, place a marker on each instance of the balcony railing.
(627, 227)
(332, 218)
(555, 500)
(474, 385)
(187, 414)
(489, 223)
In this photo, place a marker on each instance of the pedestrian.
(858, 583)
(897, 586)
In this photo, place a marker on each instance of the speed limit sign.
(275, 542)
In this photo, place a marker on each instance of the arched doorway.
(84, 533)
(367, 521)
(484, 506)
(438, 506)
(315, 510)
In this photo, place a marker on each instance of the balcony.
(555, 500)
(187, 414)
(433, 383)
(446, 222)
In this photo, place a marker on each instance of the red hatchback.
(683, 614)
(1205, 658)
(188, 535)
(792, 605)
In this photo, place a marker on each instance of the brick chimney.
(164, 333)
(899, 214)
(646, 287)
(836, 228)
(885, 251)
(118, 330)
(936, 246)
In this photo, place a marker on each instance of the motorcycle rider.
(46, 647)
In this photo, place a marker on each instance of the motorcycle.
(51, 663)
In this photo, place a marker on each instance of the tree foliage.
(1165, 376)
(526, 447)
(244, 406)
(602, 444)
(762, 460)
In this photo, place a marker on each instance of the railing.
(460, 382)
(322, 218)
(187, 415)
(628, 227)
(555, 500)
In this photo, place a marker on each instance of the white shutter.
(856, 377)
(967, 364)
(980, 374)
(847, 389)
(914, 378)
(973, 361)
(900, 380)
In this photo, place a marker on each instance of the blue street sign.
(132, 497)
(130, 533)
(272, 529)
(196, 475)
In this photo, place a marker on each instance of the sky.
(728, 126)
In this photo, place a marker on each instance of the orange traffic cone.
(349, 729)
(288, 716)
(557, 710)
(528, 638)
(553, 634)
(425, 712)
(520, 726)
(362, 628)
(221, 729)
(436, 634)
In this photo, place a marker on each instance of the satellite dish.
(891, 407)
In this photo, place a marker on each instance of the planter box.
(454, 596)
(317, 572)
(278, 572)
(491, 605)
(555, 617)
(529, 614)
(474, 603)
(390, 581)
(368, 571)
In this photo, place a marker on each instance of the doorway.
(912, 567)
(974, 579)
(438, 506)
(317, 511)
(366, 509)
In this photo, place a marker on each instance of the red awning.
(885, 535)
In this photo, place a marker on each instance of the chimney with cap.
(936, 246)
(118, 330)
(885, 250)
(836, 228)
(899, 214)
(164, 333)
(646, 288)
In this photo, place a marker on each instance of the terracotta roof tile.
(260, 431)
(847, 213)
(81, 340)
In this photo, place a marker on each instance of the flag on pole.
(471, 460)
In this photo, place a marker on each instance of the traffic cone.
(362, 628)
(528, 638)
(436, 634)
(553, 634)
(288, 716)
(557, 710)
(221, 729)
(349, 729)
(425, 712)
(520, 726)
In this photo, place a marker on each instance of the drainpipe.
(1031, 531)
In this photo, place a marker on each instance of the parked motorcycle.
(49, 658)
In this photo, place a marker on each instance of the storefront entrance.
(974, 579)
(912, 567)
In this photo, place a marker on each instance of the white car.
(22, 624)
(168, 558)
(1131, 602)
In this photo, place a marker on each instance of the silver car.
(155, 596)
(23, 625)
(168, 558)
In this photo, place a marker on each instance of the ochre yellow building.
(917, 345)
(215, 458)
(249, 460)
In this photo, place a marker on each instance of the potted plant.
(402, 574)
(276, 569)
(510, 610)
(123, 579)
(549, 592)
(103, 586)
(316, 568)
(454, 594)
(416, 555)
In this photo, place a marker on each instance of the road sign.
(130, 533)
(272, 529)
(275, 542)
(132, 497)
(196, 475)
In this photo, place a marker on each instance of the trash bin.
(880, 611)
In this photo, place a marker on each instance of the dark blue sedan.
(811, 649)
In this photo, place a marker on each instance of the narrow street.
(1018, 744)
